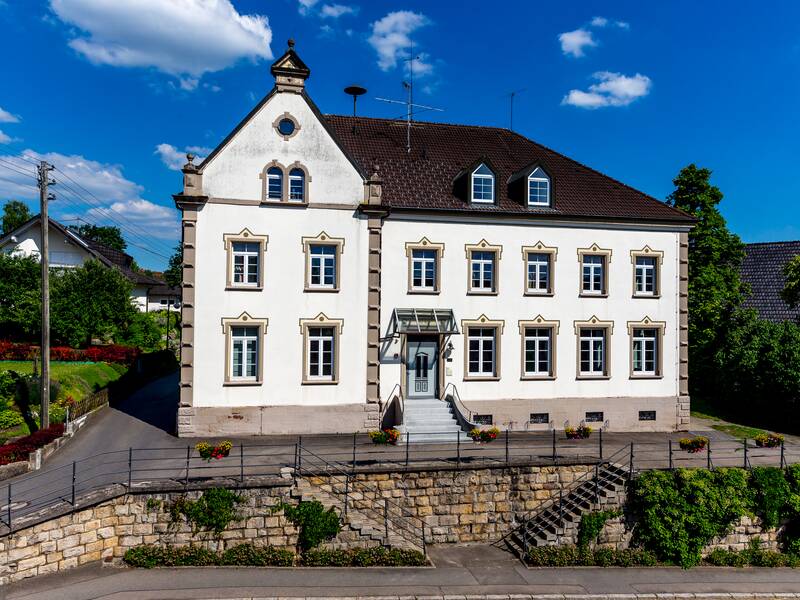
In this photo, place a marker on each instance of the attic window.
(286, 126)
(538, 188)
(483, 185)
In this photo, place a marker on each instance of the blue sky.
(114, 92)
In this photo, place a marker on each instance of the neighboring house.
(68, 250)
(762, 269)
(164, 297)
(331, 270)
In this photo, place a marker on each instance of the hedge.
(363, 557)
(574, 556)
(111, 354)
(19, 450)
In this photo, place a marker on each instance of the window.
(645, 276)
(246, 263)
(482, 419)
(647, 415)
(593, 350)
(594, 417)
(321, 353)
(323, 263)
(275, 183)
(286, 126)
(322, 272)
(483, 184)
(321, 349)
(538, 273)
(540, 418)
(538, 188)
(538, 359)
(244, 353)
(163, 302)
(423, 269)
(644, 352)
(297, 185)
(245, 268)
(482, 352)
(482, 271)
(593, 274)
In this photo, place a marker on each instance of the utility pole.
(44, 222)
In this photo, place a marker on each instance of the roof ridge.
(327, 115)
(772, 243)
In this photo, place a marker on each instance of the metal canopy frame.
(411, 320)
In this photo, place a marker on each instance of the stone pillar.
(683, 333)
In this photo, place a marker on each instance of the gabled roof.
(423, 178)
(762, 268)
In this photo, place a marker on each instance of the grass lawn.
(702, 410)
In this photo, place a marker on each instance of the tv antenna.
(511, 96)
(409, 101)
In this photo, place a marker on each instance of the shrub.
(768, 440)
(592, 524)
(316, 524)
(10, 418)
(693, 445)
(772, 494)
(113, 353)
(248, 555)
(581, 432)
(573, 556)
(213, 512)
(363, 557)
(162, 556)
(754, 556)
(20, 449)
(8, 386)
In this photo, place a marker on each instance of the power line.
(12, 167)
(33, 187)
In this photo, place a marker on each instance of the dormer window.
(483, 185)
(538, 188)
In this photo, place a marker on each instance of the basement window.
(482, 419)
(540, 418)
(647, 415)
(594, 417)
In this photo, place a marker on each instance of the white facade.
(248, 350)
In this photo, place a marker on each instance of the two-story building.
(343, 270)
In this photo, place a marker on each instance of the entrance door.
(422, 362)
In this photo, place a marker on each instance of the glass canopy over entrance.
(423, 320)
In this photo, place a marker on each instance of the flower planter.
(385, 436)
(578, 433)
(693, 445)
(208, 452)
(484, 436)
(768, 440)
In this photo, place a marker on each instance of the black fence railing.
(37, 496)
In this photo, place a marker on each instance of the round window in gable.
(286, 126)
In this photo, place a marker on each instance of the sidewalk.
(459, 572)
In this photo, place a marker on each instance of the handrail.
(458, 405)
(389, 400)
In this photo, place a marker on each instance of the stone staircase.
(430, 420)
(556, 522)
(362, 518)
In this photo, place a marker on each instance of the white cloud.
(334, 11)
(574, 42)
(391, 36)
(175, 159)
(612, 89)
(305, 6)
(184, 38)
(4, 139)
(7, 117)
(603, 21)
(109, 188)
(622, 24)
(421, 65)
(599, 22)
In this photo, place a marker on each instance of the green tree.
(20, 303)
(144, 331)
(15, 213)
(791, 291)
(89, 302)
(108, 235)
(715, 288)
(174, 273)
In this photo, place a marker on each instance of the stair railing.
(462, 413)
(396, 393)
(553, 501)
(393, 516)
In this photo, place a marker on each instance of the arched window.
(483, 184)
(274, 183)
(538, 188)
(297, 185)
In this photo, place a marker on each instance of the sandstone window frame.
(247, 236)
(539, 322)
(539, 248)
(285, 199)
(483, 322)
(288, 186)
(424, 244)
(594, 323)
(322, 239)
(594, 250)
(321, 321)
(276, 126)
(658, 256)
(244, 320)
(484, 246)
(647, 324)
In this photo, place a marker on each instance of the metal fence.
(36, 497)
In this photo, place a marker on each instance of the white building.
(69, 250)
(335, 275)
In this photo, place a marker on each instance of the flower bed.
(484, 435)
(208, 452)
(385, 436)
(693, 445)
(110, 354)
(581, 432)
(19, 450)
(768, 440)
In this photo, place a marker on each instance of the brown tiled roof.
(424, 178)
(762, 268)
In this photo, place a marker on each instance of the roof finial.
(189, 157)
(290, 43)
